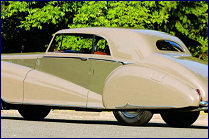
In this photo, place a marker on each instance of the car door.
(102, 64)
(62, 75)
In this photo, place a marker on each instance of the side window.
(72, 43)
(166, 45)
(101, 46)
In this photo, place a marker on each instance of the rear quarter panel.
(144, 87)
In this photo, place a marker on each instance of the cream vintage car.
(134, 73)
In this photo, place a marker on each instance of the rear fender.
(144, 87)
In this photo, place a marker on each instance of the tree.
(31, 24)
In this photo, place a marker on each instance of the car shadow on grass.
(101, 122)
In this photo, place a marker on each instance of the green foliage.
(101, 44)
(69, 42)
(78, 43)
(186, 19)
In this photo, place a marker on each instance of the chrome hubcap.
(131, 114)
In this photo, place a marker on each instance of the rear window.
(166, 45)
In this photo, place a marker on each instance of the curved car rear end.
(199, 70)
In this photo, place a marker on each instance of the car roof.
(127, 43)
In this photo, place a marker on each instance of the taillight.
(198, 91)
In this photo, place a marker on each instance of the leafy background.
(28, 26)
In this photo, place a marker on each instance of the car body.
(137, 73)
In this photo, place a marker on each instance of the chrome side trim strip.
(65, 57)
(123, 62)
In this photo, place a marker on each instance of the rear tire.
(33, 112)
(180, 119)
(134, 118)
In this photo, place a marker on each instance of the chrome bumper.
(203, 104)
(202, 107)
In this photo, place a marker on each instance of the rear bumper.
(204, 104)
(202, 107)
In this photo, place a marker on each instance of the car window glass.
(69, 43)
(166, 45)
(101, 46)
